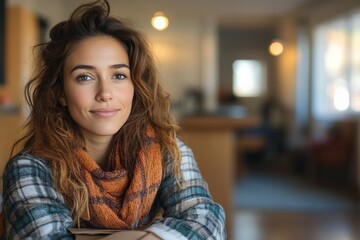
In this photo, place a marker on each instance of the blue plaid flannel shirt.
(33, 209)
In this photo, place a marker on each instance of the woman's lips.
(108, 112)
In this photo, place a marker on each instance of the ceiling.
(239, 7)
(224, 11)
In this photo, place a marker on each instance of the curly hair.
(50, 132)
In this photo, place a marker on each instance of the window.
(249, 78)
(336, 75)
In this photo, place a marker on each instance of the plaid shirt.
(34, 209)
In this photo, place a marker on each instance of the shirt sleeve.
(189, 212)
(32, 208)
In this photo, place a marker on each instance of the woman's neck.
(98, 149)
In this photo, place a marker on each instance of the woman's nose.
(104, 93)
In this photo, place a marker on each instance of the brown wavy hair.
(50, 132)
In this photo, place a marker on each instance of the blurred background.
(267, 93)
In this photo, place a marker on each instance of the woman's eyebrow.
(120, 65)
(83, 66)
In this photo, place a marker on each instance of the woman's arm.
(32, 208)
(190, 212)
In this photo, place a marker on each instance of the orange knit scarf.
(115, 202)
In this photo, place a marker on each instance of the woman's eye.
(82, 78)
(119, 76)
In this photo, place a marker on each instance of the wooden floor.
(308, 208)
(335, 221)
(261, 225)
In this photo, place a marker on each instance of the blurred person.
(101, 149)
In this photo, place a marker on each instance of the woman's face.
(98, 89)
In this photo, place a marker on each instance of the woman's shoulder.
(185, 151)
(25, 162)
(25, 157)
(182, 145)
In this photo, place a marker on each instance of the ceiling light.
(159, 21)
(276, 48)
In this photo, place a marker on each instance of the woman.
(101, 149)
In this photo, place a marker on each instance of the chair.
(334, 156)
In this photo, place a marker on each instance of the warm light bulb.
(159, 21)
(276, 48)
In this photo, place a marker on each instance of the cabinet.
(21, 34)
